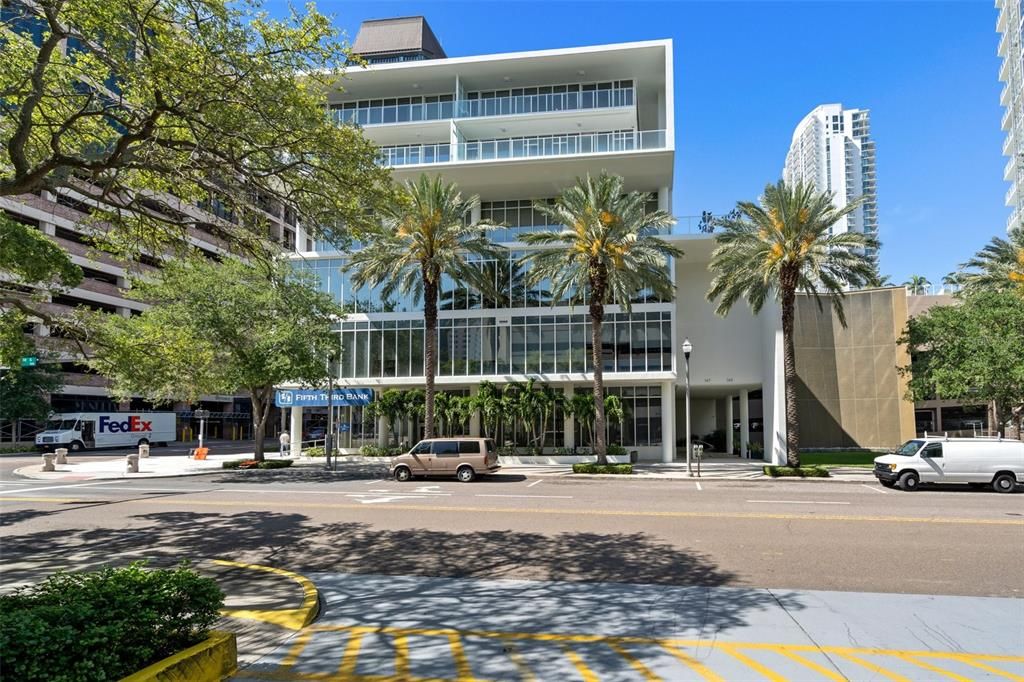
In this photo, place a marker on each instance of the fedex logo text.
(131, 424)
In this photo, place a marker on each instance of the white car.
(974, 461)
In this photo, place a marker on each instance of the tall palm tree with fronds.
(778, 247)
(421, 237)
(917, 285)
(607, 252)
(999, 265)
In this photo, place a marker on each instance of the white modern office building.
(514, 129)
(832, 148)
(1009, 25)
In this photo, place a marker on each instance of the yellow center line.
(644, 671)
(763, 670)
(586, 673)
(934, 669)
(693, 663)
(808, 663)
(895, 677)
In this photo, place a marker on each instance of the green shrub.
(104, 625)
(378, 451)
(256, 464)
(591, 468)
(616, 450)
(317, 451)
(801, 472)
(232, 464)
(274, 464)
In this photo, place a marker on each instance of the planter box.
(212, 660)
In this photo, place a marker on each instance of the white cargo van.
(974, 461)
(88, 430)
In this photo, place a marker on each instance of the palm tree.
(421, 237)
(488, 402)
(953, 280)
(778, 247)
(999, 265)
(607, 253)
(917, 285)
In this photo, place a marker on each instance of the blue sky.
(747, 72)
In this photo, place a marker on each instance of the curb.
(292, 619)
(215, 658)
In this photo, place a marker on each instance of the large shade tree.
(423, 235)
(998, 266)
(606, 252)
(142, 110)
(779, 246)
(216, 328)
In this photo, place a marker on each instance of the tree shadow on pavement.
(375, 556)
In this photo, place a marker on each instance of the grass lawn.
(846, 458)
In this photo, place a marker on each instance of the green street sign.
(29, 361)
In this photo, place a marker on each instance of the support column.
(382, 431)
(729, 435)
(474, 419)
(668, 421)
(296, 434)
(744, 423)
(570, 423)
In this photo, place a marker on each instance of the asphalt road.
(772, 534)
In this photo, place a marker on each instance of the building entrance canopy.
(315, 397)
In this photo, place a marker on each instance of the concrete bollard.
(62, 455)
(144, 450)
(132, 464)
(48, 461)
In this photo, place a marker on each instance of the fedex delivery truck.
(88, 430)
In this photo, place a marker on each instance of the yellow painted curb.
(293, 619)
(212, 660)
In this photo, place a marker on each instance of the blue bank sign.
(317, 397)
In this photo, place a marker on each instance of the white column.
(296, 434)
(382, 431)
(474, 419)
(744, 422)
(668, 421)
(570, 423)
(729, 436)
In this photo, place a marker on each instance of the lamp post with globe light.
(687, 349)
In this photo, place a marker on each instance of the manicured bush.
(591, 468)
(616, 450)
(317, 451)
(256, 464)
(801, 472)
(274, 464)
(377, 451)
(103, 625)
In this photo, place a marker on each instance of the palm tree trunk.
(600, 446)
(789, 355)
(430, 353)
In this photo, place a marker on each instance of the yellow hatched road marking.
(895, 677)
(986, 668)
(743, 658)
(808, 663)
(634, 662)
(401, 656)
(524, 670)
(692, 662)
(934, 669)
(293, 654)
(586, 673)
(351, 655)
(462, 668)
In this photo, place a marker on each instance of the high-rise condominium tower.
(832, 148)
(1009, 26)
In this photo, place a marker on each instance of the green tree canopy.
(218, 328)
(973, 352)
(782, 245)
(999, 265)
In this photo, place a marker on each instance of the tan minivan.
(463, 458)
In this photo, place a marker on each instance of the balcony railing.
(561, 145)
(415, 154)
(550, 102)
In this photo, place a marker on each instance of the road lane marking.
(55, 487)
(462, 667)
(987, 668)
(634, 662)
(697, 483)
(808, 663)
(547, 497)
(877, 490)
(351, 655)
(524, 670)
(872, 667)
(293, 653)
(768, 673)
(534, 483)
(401, 645)
(793, 502)
(934, 669)
(586, 673)
(755, 516)
(693, 663)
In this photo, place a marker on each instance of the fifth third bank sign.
(317, 397)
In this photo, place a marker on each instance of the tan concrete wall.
(849, 393)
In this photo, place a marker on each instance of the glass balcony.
(415, 154)
(561, 145)
(546, 103)
(398, 110)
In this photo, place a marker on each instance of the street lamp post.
(202, 415)
(329, 436)
(687, 349)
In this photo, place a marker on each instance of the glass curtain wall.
(641, 426)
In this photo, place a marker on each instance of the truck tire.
(909, 481)
(75, 446)
(142, 441)
(1004, 483)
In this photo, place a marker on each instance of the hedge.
(256, 464)
(591, 468)
(103, 625)
(801, 472)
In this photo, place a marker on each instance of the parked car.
(974, 461)
(315, 433)
(464, 458)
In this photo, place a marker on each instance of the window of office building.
(641, 424)
(394, 110)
